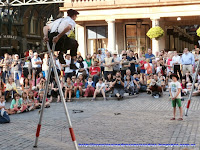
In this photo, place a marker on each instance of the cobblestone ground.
(142, 120)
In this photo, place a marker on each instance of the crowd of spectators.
(106, 74)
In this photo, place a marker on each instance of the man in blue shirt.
(149, 55)
(187, 60)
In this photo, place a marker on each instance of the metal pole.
(190, 96)
(62, 98)
(43, 102)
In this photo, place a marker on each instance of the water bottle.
(77, 94)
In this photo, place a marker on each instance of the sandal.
(180, 119)
(172, 119)
(69, 100)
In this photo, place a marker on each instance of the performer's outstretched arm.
(45, 31)
(55, 39)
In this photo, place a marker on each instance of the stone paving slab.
(142, 120)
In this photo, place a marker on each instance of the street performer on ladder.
(59, 31)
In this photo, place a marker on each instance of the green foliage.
(155, 32)
(198, 32)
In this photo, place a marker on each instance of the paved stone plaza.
(140, 120)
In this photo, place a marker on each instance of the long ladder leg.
(190, 96)
(62, 98)
(43, 103)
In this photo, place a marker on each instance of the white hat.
(16, 55)
(35, 53)
(115, 52)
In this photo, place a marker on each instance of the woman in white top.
(82, 67)
(45, 64)
(100, 88)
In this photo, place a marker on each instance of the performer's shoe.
(73, 66)
(61, 58)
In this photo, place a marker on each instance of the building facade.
(21, 28)
(123, 24)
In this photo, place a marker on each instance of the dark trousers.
(64, 43)
(5, 118)
(95, 79)
(177, 70)
(4, 74)
(9, 92)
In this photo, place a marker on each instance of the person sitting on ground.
(54, 90)
(81, 67)
(175, 95)
(73, 79)
(39, 100)
(118, 85)
(32, 99)
(10, 88)
(26, 87)
(129, 86)
(156, 89)
(89, 88)
(17, 104)
(68, 72)
(100, 88)
(68, 89)
(136, 81)
(94, 72)
(40, 77)
(4, 118)
(78, 86)
(82, 80)
(26, 102)
(108, 83)
(188, 77)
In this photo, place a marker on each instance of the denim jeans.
(5, 118)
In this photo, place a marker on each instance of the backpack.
(149, 69)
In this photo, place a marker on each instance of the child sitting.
(17, 104)
(100, 88)
(28, 104)
(89, 88)
(68, 89)
(78, 86)
(39, 100)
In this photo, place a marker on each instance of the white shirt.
(100, 85)
(62, 23)
(78, 66)
(33, 60)
(67, 69)
(174, 86)
(58, 66)
(2, 103)
(176, 59)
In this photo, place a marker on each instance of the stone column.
(111, 35)
(155, 42)
(81, 38)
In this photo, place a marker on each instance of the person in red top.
(94, 72)
(78, 86)
(142, 62)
